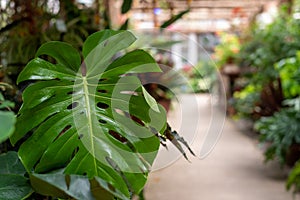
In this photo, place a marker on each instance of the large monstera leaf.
(92, 118)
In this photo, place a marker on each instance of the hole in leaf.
(63, 131)
(117, 136)
(49, 58)
(110, 187)
(72, 106)
(129, 92)
(66, 128)
(103, 79)
(102, 91)
(137, 120)
(80, 136)
(75, 151)
(102, 105)
(102, 121)
(130, 145)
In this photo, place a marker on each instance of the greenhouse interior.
(150, 99)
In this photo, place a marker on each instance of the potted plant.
(86, 130)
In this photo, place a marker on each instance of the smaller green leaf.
(7, 104)
(13, 184)
(126, 6)
(174, 19)
(14, 187)
(44, 185)
(150, 100)
(57, 184)
(10, 164)
(7, 125)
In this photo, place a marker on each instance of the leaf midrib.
(89, 117)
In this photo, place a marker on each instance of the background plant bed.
(293, 154)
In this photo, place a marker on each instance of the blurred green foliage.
(258, 57)
(270, 63)
(288, 70)
(202, 77)
(228, 49)
(294, 178)
(279, 132)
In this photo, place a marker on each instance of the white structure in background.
(268, 15)
(192, 55)
(177, 51)
(185, 52)
(194, 47)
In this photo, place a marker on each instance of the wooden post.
(155, 20)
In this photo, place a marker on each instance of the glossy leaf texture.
(13, 183)
(91, 118)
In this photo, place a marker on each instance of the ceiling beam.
(226, 4)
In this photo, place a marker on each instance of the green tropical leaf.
(76, 186)
(126, 6)
(13, 184)
(7, 125)
(7, 118)
(174, 18)
(90, 118)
